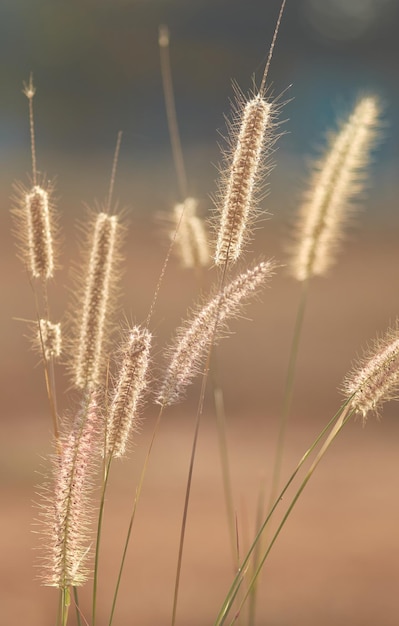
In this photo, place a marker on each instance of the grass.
(96, 397)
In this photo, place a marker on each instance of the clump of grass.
(110, 393)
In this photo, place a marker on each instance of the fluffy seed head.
(129, 389)
(35, 229)
(48, 339)
(95, 301)
(240, 179)
(376, 379)
(66, 511)
(336, 181)
(191, 239)
(193, 339)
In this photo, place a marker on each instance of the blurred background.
(96, 68)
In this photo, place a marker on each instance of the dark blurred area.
(96, 68)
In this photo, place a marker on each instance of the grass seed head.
(95, 299)
(48, 339)
(191, 239)
(36, 230)
(66, 509)
(195, 337)
(376, 379)
(337, 180)
(242, 176)
(131, 383)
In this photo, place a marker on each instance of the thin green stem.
(226, 606)
(66, 602)
(76, 599)
(194, 446)
(184, 519)
(226, 476)
(282, 426)
(98, 539)
(106, 466)
(133, 515)
(342, 420)
(171, 111)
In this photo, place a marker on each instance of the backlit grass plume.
(66, 511)
(376, 378)
(130, 386)
(33, 210)
(48, 339)
(242, 176)
(191, 238)
(92, 316)
(194, 337)
(337, 179)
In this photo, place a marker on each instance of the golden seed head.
(376, 378)
(49, 339)
(337, 179)
(95, 303)
(191, 239)
(131, 383)
(237, 195)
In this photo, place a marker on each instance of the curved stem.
(136, 500)
(342, 420)
(226, 606)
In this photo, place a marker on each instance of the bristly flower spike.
(191, 237)
(194, 338)
(66, 512)
(48, 339)
(96, 296)
(242, 177)
(131, 383)
(336, 181)
(376, 379)
(35, 214)
(88, 349)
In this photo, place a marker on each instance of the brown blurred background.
(96, 69)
